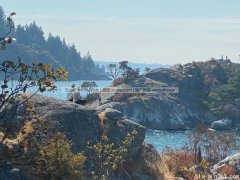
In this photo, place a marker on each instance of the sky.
(144, 31)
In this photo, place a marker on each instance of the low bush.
(55, 159)
(215, 146)
(227, 170)
(106, 157)
(178, 162)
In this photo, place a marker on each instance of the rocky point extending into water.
(197, 83)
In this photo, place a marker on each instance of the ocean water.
(62, 86)
(163, 139)
(160, 139)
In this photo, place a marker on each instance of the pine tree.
(3, 28)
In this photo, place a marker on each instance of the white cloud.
(146, 39)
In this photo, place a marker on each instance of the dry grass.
(27, 128)
(177, 163)
(118, 81)
(164, 169)
(102, 117)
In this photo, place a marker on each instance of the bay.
(160, 139)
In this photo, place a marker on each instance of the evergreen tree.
(88, 62)
(31, 44)
(35, 35)
(3, 28)
(21, 35)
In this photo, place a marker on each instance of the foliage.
(146, 70)
(214, 102)
(56, 160)
(88, 86)
(107, 157)
(18, 77)
(226, 93)
(128, 72)
(215, 146)
(184, 162)
(179, 161)
(227, 170)
(114, 70)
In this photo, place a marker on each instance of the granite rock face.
(116, 127)
(185, 109)
(80, 125)
(154, 111)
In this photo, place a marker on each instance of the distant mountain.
(134, 65)
(32, 46)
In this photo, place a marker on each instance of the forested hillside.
(32, 45)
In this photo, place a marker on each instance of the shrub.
(107, 157)
(227, 170)
(18, 77)
(88, 86)
(56, 160)
(179, 161)
(214, 146)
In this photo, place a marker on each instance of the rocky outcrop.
(183, 110)
(154, 111)
(81, 125)
(146, 166)
(223, 124)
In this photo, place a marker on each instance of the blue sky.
(149, 31)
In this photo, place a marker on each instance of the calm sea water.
(160, 139)
(61, 92)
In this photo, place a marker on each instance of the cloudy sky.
(148, 31)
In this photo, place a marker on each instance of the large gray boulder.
(113, 114)
(80, 125)
(223, 124)
(77, 122)
(116, 127)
